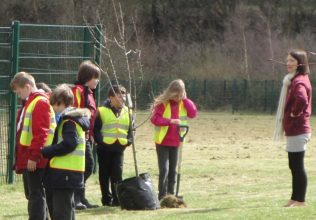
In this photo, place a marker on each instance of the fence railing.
(6, 154)
(229, 95)
(52, 54)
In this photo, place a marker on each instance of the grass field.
(231, 170)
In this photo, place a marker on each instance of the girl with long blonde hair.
(176, 89)
(170, 109)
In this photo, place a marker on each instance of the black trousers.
(299, 177)
(110, 172)
(35, 194)
(88, 160)
(61, 204)
(89, 164)
(167, 162)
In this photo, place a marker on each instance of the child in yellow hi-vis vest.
(170, 109)
(112, 134)
(35, 129)
(65, 171)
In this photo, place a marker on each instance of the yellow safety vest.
(26, 134)
(161, 131)
(114, 128)
(75, 160)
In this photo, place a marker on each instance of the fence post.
(234, 95)
(225, 98)
(224, 88)
(273, 98)
(86, 44)
(193, 89)
(97, 58)
(13, 99)
(245, 93)
(204, 88)
(265, 99)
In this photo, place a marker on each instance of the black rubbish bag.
(137, 193)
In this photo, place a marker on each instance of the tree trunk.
(245, 55)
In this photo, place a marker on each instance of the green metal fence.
(5, 72)
(52, 53)
(229, 95)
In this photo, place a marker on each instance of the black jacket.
(57, 178)
(116, 146)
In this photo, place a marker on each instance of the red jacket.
(172, 137)
(86, 101)
(40, 130)
(298, 103)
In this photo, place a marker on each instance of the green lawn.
(231, 170)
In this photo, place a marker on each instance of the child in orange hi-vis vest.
(87, 80)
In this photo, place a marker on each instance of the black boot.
(106, 201)
(77, 197)
(86, 202)
(115, 202)
(80, 206)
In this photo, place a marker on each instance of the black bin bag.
(137, 193)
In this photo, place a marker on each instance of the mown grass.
(231, 169)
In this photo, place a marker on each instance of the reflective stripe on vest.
(114, 128)
(75, 160)
(161, 131)
(26, 133)
(78, 97)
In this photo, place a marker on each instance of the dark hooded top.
(57, 178)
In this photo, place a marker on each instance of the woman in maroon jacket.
(296, 121)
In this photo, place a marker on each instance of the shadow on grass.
(100, 211)
(169, 211)
(16, 216)
(165, 211)
(118, 211)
